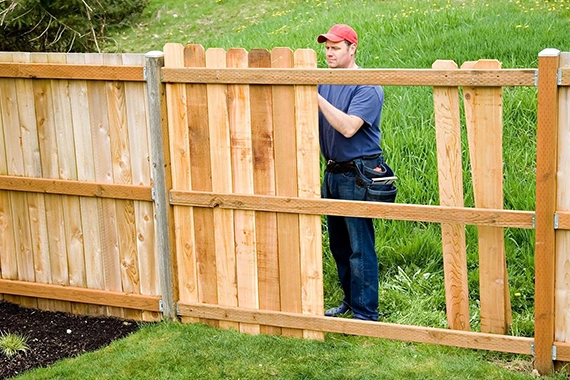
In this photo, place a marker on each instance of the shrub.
(61, 25)
(11, 344)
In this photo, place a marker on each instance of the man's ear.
(353, 48)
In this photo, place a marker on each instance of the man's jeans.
(352, 239)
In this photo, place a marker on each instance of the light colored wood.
(73, 264)
(393, 211)
(308, 182)
(8, 257)
(386, 77)
(93, 272)
(465, 339)
(264, 183)
(562, 351)
(82, 295)
(181, 179)
(562, 283)
(18, 201)
(483, 114)
(220, 161)
(52, 70)
(44, 109)
(546, 188)
(32, 168)
(73, 187)
(450, 180)
(107, 214)
(139, 140)
(563, 220)
(564, 76)
(288, 233)
(198, 142)
(122, 173)
(239, 117)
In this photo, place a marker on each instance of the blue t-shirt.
(358, 100)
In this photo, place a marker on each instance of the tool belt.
(340, 167)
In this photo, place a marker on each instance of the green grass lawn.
(393, 34)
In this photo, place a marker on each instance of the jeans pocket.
(381, 193)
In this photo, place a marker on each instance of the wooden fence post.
(546, 153)
(162, 180)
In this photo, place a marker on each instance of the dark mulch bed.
(53, 336)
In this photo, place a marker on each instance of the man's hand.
(346, 124)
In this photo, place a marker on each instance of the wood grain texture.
(450, 179)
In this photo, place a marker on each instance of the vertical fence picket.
(138, 131)
(483, 114)
(107, 213)
(308, 182)
(264, 184)
(92, 268)
(8, 252)
(239, 118)
(200, 168)
(286, 185)
(72, 264)
(562, 283)
(180, 159)
(222, 182)
(450, 179)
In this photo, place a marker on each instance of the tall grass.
(402, 34)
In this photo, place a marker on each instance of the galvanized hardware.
(534, 221)
(153, 194)
(161, 305)
(559, 76)
(553, 352)
(556, 217)
(536, 78)
(144, 73)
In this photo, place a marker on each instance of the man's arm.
(346, 124)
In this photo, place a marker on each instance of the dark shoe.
(337, 311)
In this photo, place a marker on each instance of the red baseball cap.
(339, 32)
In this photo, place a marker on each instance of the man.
(349, 135)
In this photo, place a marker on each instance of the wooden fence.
(189, 185)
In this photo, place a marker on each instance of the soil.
(52, 336)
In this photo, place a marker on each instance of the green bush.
(61, 25)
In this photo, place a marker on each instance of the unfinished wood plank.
(57, 71)
(288, 234)
(239, 118)
(261, 106)
(180, 172)
(32, 168)
(308, 182)
(220, 160)
(450, 180)
(545, 244)
(199, 168)
(93, 271)
(121, 159)
(393, 331)
(562, 283)
(8, 257)
(74, 260)
(386, 77)
(18, 201)
(483, 114)
(107, 214)
(138, 129)
(82, 295)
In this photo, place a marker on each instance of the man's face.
(339, 54)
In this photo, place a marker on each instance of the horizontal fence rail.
(76, 72)
(386, 77)
(81, 188)
(466, 339)
(393, 211)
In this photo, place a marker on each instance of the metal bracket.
(161, 306)
(556, 220)
(153, 194)
(532, 348)
(533, 221)
(536, 78)
(177, 309)
(559, 76)
(553, 352)
(144, 73)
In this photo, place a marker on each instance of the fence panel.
(77, 130)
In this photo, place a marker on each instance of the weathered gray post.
(154, 63)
